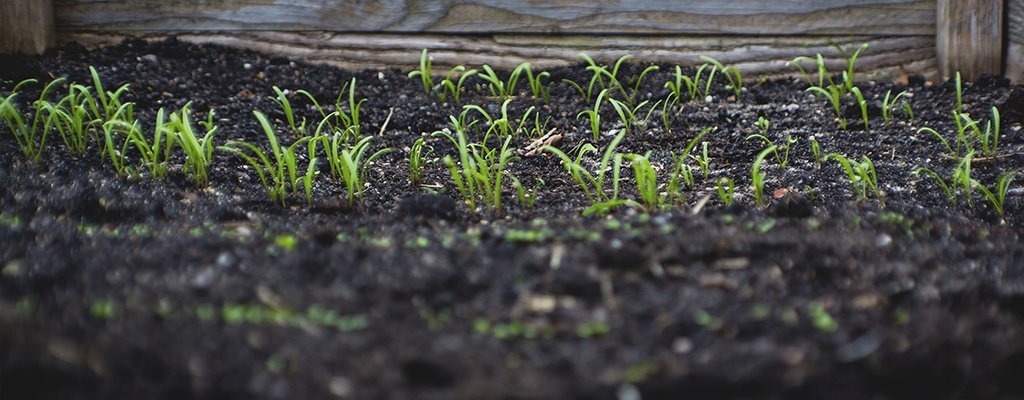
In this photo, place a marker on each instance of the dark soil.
(132, 288)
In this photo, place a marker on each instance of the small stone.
(13, 268)
(204, 278)
(883, 240)
(732, 263)
(340, 386)
(247, 66)
(150, 58)
(225, 260)
(682, 345)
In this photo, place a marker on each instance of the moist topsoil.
(129, 287)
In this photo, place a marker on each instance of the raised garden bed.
(129, 286)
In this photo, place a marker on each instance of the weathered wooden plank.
(1015, 40)
(26, 26)
(969, 37)
(890, 57)
(743, 17)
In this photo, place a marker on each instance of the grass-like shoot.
(417, 160)
(861, 175)
(426, 66)
(757, 177)
(349, 163)
(862, 104)
(479, 171)
(889, 106)
(593, 184)
(997, 195)
(451, 86)
(731, 74)
(788, 144)
(726, 190)
(278, 174)
(694, 86)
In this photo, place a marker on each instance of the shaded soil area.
(129, 287)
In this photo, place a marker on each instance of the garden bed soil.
(117, 287)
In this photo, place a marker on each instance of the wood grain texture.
(888, 58)
(26, 26)
(969, 37)
(1014, 68)
(713, 17)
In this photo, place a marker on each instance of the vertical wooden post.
(969, 37)
(1015, 40)
(26, 26)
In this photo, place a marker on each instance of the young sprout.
(500, 88)
(834, 96)
(286, 106)
(784, 158)
(628, 115)
(453, 87)
(538, 87)
(349, 119)
(863, 104)
(949, 189)
(726, 190)
(350, 163)
(732, 74)
(479, 171)
(29, 138)
(502, 126)
(277, 174)
(595, 115)
(861, 174)
(424, 72)
(703, 161)
(156, 154)
(111, 129)
(666, 107)
(851, 59)
(757, 177)
(763, 124)
(198, 151)
(889, 106)
(816, 150)
(71, 117)
(417, 160)
(997, 196)
(526, 199)
(110, 101)
(592, 184)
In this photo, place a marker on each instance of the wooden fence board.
(969, 37)
(1014, 68)
(741, 17)
(891, 57)
(26, 26)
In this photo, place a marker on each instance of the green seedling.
(763, 124)
(155, 154)
(117, 154)
(784, 158)
(861, 175)
(816, 151)
(889, 106)
(539, 128)
(198, 150)
(949, 189)
(417, 160)
(732, 74)
(726, 190)
(30, 138)
(594, 115)
(71, 117)
(424, 72)
(863, 104)
(501, 126)
(538, 87)
(278, 174)
(666, 111)
(703, 161)
(833, 94)
(289, 115)
(628, 115)
(646, 178)
(757, 177)
(693, 85)
(851, 59)
(989, 138)
(479, 172)
(997, 195)
(349, 163)
(592, 184)
(502, 88)
(453, 87)
(110, 101)
(526, 198)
